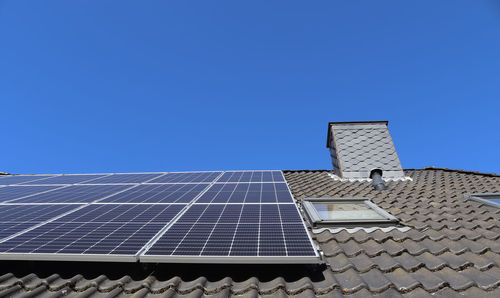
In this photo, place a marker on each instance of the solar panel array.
(235, 217)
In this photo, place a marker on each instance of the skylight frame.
(484, 198)
(316, 220)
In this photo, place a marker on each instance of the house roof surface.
(448, 247)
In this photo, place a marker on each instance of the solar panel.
(158, 193)
(8, 179)
(192, 177)
(16, 218)
(118, 213)
(247, 193)
(125, 178)
(8, 193)
(252, 176)
(74, 194)
(65, 179)
(95, 232)
(233, 217)
(235, 230)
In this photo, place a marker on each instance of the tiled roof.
(451, 249)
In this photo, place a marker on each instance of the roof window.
(490, 199)
(346, 212)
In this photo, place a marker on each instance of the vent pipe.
(377, 181)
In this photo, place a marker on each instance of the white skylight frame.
(316, 220)
(484, 198)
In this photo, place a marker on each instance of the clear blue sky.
(134, 86)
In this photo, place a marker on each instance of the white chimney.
(358, 148)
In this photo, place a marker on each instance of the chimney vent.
(358, 148)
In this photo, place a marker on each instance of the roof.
(452, 248)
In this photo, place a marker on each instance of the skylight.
(346, 212)
(491, 199)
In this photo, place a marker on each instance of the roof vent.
(358, 148)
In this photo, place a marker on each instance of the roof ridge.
(413, 169)
(454, 170)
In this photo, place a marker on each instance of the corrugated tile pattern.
(453, 249)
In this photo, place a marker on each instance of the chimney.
(360, 149)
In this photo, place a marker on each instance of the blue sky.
(137, 86)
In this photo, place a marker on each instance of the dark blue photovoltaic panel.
(65, 179)
(234, 213)
(246, 241)
(96, 229)
(8, 179)
(220, 240)
(125, 178)
(16, 218)
(32, 213)
(8, 193)
(124, 213)
(236, 230)
(158, 193)
(193, 177)
(195, 240)
(271, 240)
(83, 238)
(297, 240)
(229, 214)
(74, 194)
(247, 193)
(8, 229)
(252, 176)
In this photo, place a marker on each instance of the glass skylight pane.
(345, 211)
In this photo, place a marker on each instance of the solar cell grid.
(158, 193)
(235, 230)
(231, 213)
(252, 176)
(123, 213)
(8, 229)
(16, 218)
(96, 229)
(83, 238)
(65, 179)
(241, 213)
(219, 242)
(74, 194)
(193, 177)
(125, 178)
(8, 179)
(32, 213)
(247, 193)
(9, 193)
